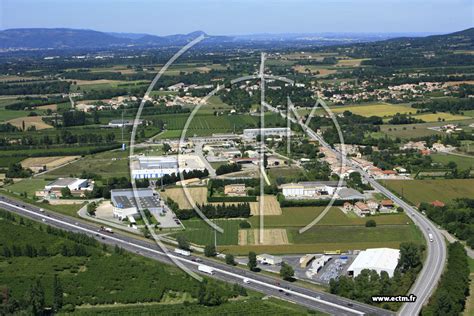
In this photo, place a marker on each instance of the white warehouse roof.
(378, 259)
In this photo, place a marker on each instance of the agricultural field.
(28, 122)
(198, 195)
(199, 232)
(318, 70)
(416, 191)
(28, 186)
(436, 117)
(108, 164)
(164, 288)
(350, 62)
(271, 236)
(377, 109)
(48, 162)
(271, 206)
(462, 162)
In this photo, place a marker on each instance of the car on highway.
(246, 281)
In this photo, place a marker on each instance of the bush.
(229, 259)
(244, 224)
(370, 223)
(210, 251)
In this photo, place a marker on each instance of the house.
(387, 204)
(348, 206)
(274, 161)
(236, 189)
(373, 205)
(361, 209)
(437, 203)
(176, 87)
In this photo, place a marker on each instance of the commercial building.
(378, 259)
(269, 259)
(124, 123)
(78, 187)
(126, 202)
(309, 190)
(273, 131)
(146, 167)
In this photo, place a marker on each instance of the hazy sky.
(241, 16)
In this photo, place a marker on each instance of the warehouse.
(273, 131)
(378, 259)
(153, 167)
(124, 204)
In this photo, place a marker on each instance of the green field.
(377, 109)
(108, 164)
(416, 191)
(349, 237)
(199, 232)
(30, 186)
(431, 117)
(462, 162)
(128, 282)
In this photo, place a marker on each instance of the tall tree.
(57, 294)
(252, 264)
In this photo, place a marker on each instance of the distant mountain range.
(62, 38)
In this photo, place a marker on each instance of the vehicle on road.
(182, 252)
(106, 229)
(41, 210)
(206, 269)
(246, 281)
(430, 236)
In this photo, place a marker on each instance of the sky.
(232, 17)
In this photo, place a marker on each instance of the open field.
(199, 232)
(30, 186)
(29, 121)
(377, 109)
(463, 162)
(416, 191)
(271, 236)
(350, 62)
(107, 164)
(330, 238)
(198, 195)
(320, 70)
(271, 206)
(6, 115)
(408, 131)
(440, 116)
(302, 216)
(49, 162)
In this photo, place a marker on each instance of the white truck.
(207, 269)
(430, 236)
(106, 229)
(182, 252)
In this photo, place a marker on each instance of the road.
(268, 285)
(199, 152)
(436, 250)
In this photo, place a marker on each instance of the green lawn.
(416, 191)
(30, 186)
(199, 232)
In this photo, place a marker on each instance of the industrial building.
(78, 187)
(269, 259)
(150, 167)
(250, 133)
(378, 259)
(124, 202)
(308, 190)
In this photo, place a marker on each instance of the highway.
(268, 285)
(436, 250)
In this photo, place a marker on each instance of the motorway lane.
(325, 302)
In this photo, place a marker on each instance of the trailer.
(182, 252)
(207, 269)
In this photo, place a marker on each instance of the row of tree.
(216, 211)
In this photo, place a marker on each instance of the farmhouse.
(378, 259)
(124, 202)
(78, 187)
(235, 189)
(361, 209)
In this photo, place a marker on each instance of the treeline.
(302, 203)
(453, 288)
(215, 211)
(457, 217)
(103, 191)
(47, 87)
(173, 178)
(86, 74)
(32, 102)
(398, 119)
(66, 250)
(74, 118)
(369, 283)
(453, 106)
(228, 168)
